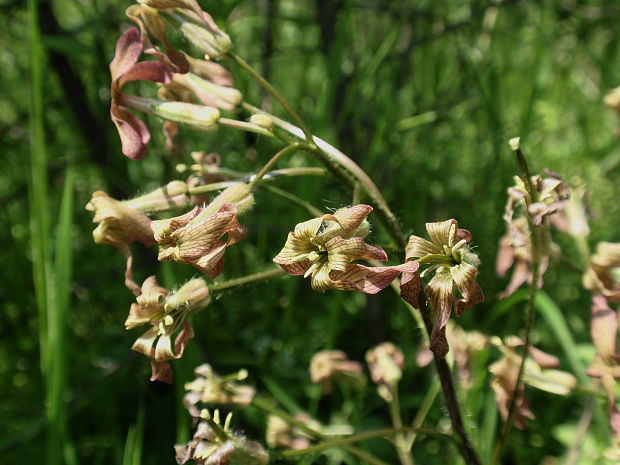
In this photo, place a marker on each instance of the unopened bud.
(262, 121)
(199, 116)
(514, 143)
(214, 44)
(193, 295)
(208, 93)
(172, 195)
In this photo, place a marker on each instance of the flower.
(550, 196)
(603, 275)
(539, 372)
(515, 248)
(210, 388)
(606, 364)
(323, 248)
(168, 313)
(328, 364)
(281, 434)
(214, 444)
(454, 264)
(119, 224)
(195, 237)
(125, 68)
(385, 362)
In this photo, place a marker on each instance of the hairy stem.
(246, 280)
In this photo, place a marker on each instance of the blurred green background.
(422, 94)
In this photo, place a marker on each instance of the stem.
(449, 393)
(246, 280)
(244, 126)
(286, 150)
(535, 239)
(363, 437)
(427, 403)
(274, 93)
(267, 407)
(400, 441)
(345, 169)
(294, 199)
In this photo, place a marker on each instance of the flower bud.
(261, 120)
(192, 296)
(172, 195)
(213, 43)
(199, 116)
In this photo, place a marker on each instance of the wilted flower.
(606, 364)
(603, 275)
(454, 265)
(329, 364)
(385, 362)
(210, 388)
(214, 444)
(195, 237)
(515, 247)
(125, 68)
(539, 372)
(323, 248)
(168, 313)
(282, 434)
(550, 196)
(120, 225)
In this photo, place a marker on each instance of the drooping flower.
(210, 388)
(168, 313)
(515, 248)
(603, 274)
(196, 237)
(329, 364)
(120, 225)
(539, 372)
(216, 444)
(606, 364)
(125, 68)
(449, 256)
(323, 249)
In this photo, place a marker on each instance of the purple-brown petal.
(133, 132)
(128, 50)
(369, 280)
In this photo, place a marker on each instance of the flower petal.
(294, 247)
(443, 233)
(464, 276)
(345, 220)
(603, 329)
(343, 251)
(133, 132)
(369, 280)
(128, 50)
(152, 71)
(418, 247)
(440, 290)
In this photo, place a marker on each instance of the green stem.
(291, 420)
(274, 93)
(399, 440)
(246, 280)
(427, 403)
(244, 126)
(272, 161)
(535, 238)
(382, 433)
(294, 199)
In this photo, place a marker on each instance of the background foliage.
(423, 95)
